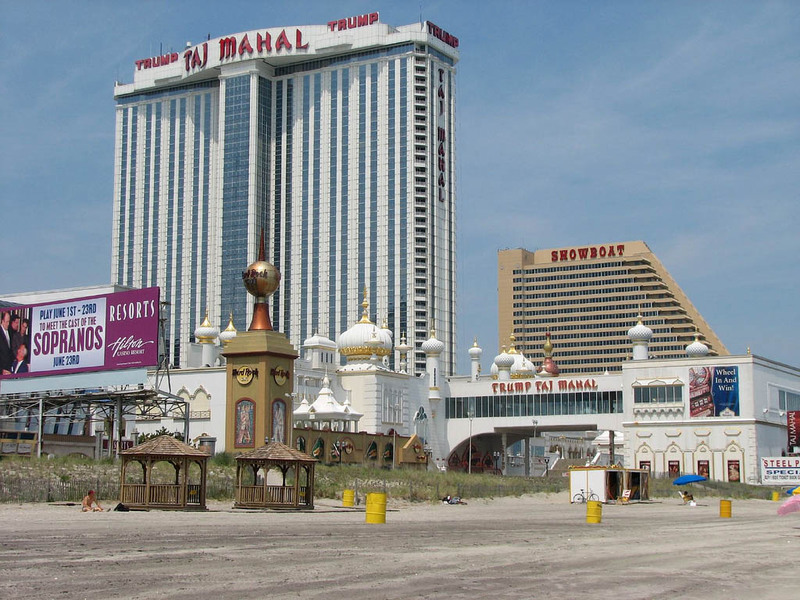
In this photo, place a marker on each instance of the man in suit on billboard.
(6, 355)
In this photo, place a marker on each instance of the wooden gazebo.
(275, 476)
(186, 492)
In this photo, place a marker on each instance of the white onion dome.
(206, 333)
(229, 333)
(522, 367)
(319, 341)
(385, 328)
(475, 351)
(504, 360)
(432, 346)
(493, 371)
(353, 342)
(640, 332)
(696, 348)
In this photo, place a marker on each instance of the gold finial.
(548, 345)
(512, 349)
(748, 349)
(365, 305)
(475, 342)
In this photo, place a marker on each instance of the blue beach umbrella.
(792, 490)
(689, 479)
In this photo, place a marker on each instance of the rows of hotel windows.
(594, 299)
(235, 179)
(359, 57)
(655, 346)
(602, 281)
(603, 343)
(657, 393)
(601, 317)
(588, 309)
(560, 267)
(533, 405)
(595, 290)
(622, 325)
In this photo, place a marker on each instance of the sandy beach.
(530, 547)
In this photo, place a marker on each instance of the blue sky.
(577, 123)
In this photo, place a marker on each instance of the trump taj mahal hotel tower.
(336, 139)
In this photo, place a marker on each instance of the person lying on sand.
(90, 503)
(452, 500)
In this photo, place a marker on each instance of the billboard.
(793, 428)
(780, 470)
(97, 333)
(714, 392)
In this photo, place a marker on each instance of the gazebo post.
(148, 479)
(296, 485)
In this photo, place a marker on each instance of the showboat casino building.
(338, 140)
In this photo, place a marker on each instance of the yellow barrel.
(594, 511)
(776, 496)
(348, 498)
(376, 508)
(725, 509)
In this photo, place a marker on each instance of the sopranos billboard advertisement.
(714, 391)
(780, 470)
(98, 333)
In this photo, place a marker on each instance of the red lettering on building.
(227, 47)
(156, 61)
(588, 252)
(264, 43)
(442, 35)
(193, 58)
(299, 45)
(353, 22)
(244, 46)
(282, 42)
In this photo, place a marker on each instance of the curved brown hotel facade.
(588, 297)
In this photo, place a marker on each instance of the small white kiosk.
(608, 484)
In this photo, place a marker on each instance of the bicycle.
(582, 498)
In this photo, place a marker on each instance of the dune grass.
(68, 479)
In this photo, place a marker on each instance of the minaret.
(640, 335)
(228, 334)
(432, 349)
(475, 360)
(206, 334)
(503, 362)
(403, 348)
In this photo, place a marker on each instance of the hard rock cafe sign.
(280, 375)
(245, 375)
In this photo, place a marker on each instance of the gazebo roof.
(164, 445)
(276, 452)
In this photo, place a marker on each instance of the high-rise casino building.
(337, 139)
(588, 298)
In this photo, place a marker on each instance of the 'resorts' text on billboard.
(112, 331)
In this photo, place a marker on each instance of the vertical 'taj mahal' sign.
(441, 137)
